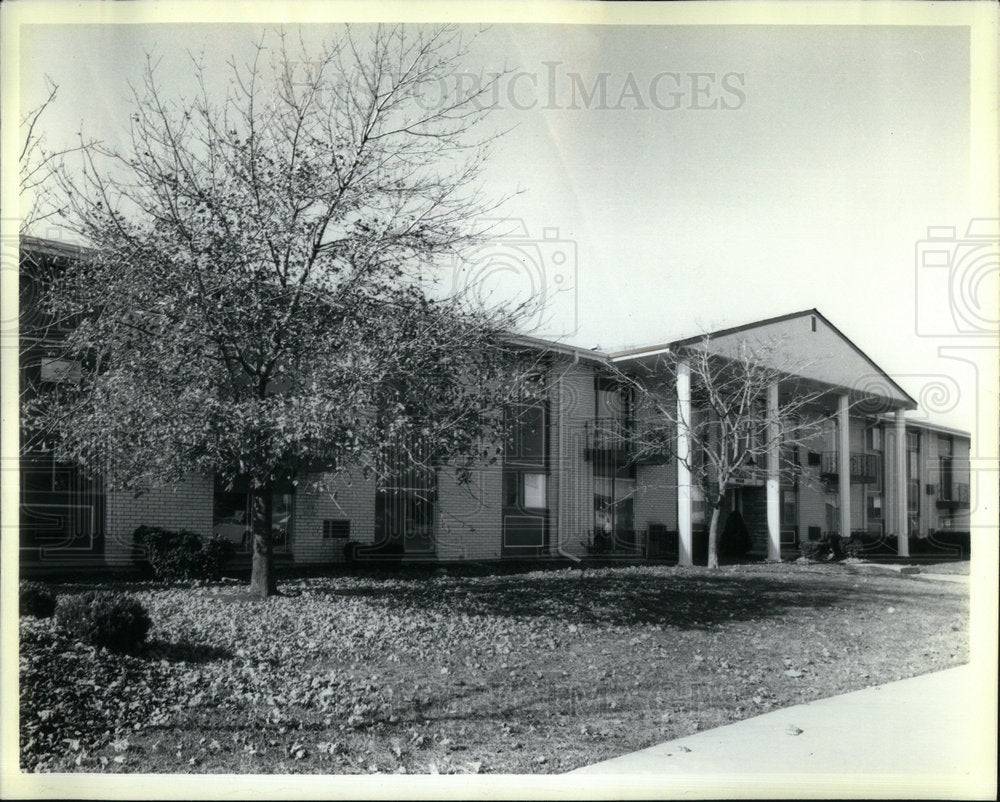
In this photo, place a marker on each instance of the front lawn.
(536, 672)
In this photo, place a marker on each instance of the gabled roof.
(898, 393)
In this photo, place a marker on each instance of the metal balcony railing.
(621, 442)
(864, 468)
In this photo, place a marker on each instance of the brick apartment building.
(566, 489)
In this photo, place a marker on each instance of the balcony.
(618, 442)
(865, 468)
(952, 496)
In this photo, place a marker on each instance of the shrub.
(815, 549)
(182, 555)
(854, 547)
(827, 548)
(37, 600)
(100, 618)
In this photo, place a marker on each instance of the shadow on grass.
(676, 600)
(184, 652)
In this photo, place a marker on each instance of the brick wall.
(186, 505)
(656, 495)
(350, 497)
(469, 525)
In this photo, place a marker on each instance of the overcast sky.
(726, 174)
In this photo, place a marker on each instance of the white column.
(899, 488)
(844, 463)
(773, 485)
(684, 546)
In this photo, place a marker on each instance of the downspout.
(562, 450)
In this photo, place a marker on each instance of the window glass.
(789, 510)
(526, 436)
(534, 491)
(875, 439)
(60, 371)
(232, 516)
(697, 506)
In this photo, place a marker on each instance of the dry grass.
(538, 672)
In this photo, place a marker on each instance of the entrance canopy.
(804, 344)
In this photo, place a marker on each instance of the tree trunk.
(713, 539)
(263, 582)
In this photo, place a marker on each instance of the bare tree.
(257, 303)
(729, 432)
(36, 165)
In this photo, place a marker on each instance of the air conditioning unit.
(930, 490)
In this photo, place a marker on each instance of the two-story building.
(568, 484)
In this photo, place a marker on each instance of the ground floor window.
(405, 501)
(874, 513)
(233, 518)
(62, 509)
(699, 516)
(832, 504)
(789, 515)
(525, 511)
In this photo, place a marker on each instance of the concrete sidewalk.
(923, 727)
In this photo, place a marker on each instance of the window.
(946, 470)
(875, 438)
(336, 529)
(830, 434)
(525, 479)
(526, 438)
(60, 371)
(913, 480)
(614, 471)
(525, 511)
(832, 512)
(614, 512)
(789, 508)
(232, 518)
(698, 508)
(534, 491)
(405, 500)
(62, 508)
(873, 513)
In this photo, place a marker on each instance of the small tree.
(729, 432)
(256, 305)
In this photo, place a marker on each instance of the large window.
(614, 471)
(614, 511)
(234, 519)
(405, 501)
(61, 511)
(946, 469)
(913, 481)
(526, 479)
